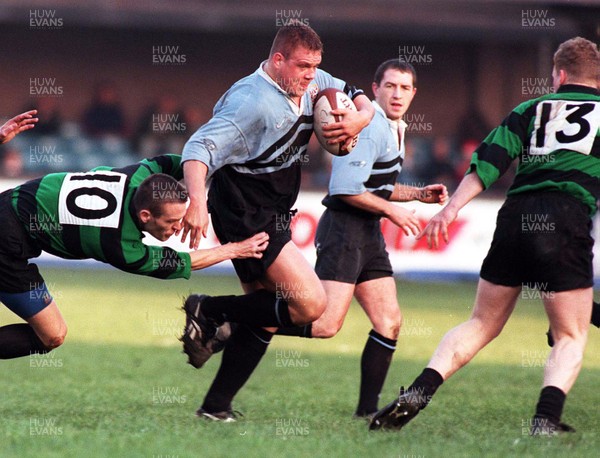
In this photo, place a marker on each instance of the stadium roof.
(426, 19)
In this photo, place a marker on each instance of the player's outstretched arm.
(430, 194)
(16, 125)
(252, 247)
(352, 121)
(195, 221)
(469, 187)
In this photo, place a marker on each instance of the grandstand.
(475, 60)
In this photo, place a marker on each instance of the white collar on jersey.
(397, 127)
(297, 109)
(400, 126)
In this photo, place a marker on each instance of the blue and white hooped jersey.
(254, 147)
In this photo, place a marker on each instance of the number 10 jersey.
(91, 215)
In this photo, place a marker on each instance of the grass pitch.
(119, 386)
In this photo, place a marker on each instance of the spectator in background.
(161, 129)
(410, 174)
(440, 166)
(194, 117)
(104, 116)
(50, 122)
(472, 126)
(12, 163)
(465, 152)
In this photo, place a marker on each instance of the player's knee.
(316, 307)
(307, 316)
(318, 311)
(328, 333)
(572, 345)
(389, 323)
(307, 307)
(395, 323)
(394, 331)
(331, 329)
(488, 329)
(56, 339)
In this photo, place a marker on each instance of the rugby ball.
(326, 101)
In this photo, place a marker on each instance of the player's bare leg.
(493, 306)
(379, 301)
(50, 326)
(44, 331)
(292, 278)
(376, 297)
(339, 296)
(569, 314)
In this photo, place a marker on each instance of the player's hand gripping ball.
(326, 101)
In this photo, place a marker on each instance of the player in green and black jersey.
(542, 238)
(101, 215)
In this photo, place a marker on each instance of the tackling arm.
(249, 248)
(470, 186)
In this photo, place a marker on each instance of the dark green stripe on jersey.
(117, 244)
(557, 140)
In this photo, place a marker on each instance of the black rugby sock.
(17, 340)
(550, 404)
(374, 365)
(241, 355)
(260, 308)
(426, 384)
(596, 314)
(296, 331)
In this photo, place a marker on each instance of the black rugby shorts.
(252, 269)
(542, 240)
(350, 248)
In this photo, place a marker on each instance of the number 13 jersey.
(557, 140)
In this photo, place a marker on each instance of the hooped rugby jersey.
(254, 147)
(557, 140)
(91, 215)
(372, 166)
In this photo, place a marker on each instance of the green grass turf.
(119, 386)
